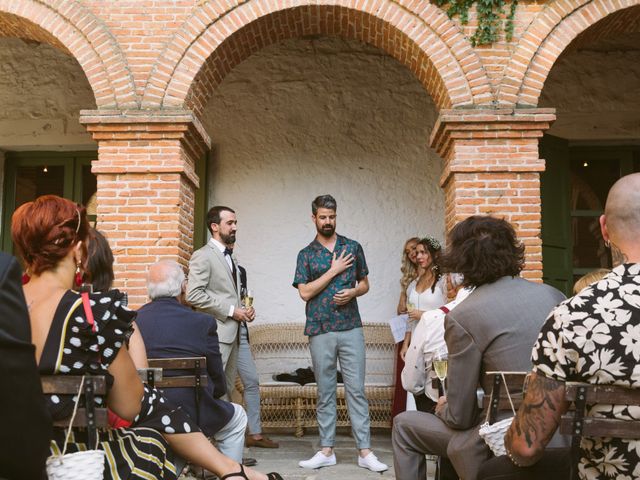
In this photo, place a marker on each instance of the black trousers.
(554, 465)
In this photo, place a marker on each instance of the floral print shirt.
(594, 337)
(323, 315)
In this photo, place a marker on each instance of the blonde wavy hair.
(408, 269)
(589, 278)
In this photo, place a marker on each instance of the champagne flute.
(248, 299)
(440, 364)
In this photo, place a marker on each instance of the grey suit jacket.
(210, 289)
(493, 329)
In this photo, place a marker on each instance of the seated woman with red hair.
(51, 234)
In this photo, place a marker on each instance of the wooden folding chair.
(578, 424)
(89, 416)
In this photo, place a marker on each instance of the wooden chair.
(189, 372)
(577, 424)
(497, 400)
(89, 416)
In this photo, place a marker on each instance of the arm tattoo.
(538, 417)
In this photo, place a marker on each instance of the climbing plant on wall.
(489, 17)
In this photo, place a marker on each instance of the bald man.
(593, 337)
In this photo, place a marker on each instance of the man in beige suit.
(214, 286)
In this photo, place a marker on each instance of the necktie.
(229, 251)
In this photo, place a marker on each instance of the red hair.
(46, 230)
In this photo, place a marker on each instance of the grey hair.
(456, 279)
(324, 201)
(165, 279)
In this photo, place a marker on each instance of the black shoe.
(249, 462)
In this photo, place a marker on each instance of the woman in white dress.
(428, 290)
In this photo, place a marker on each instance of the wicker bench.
(281, 348)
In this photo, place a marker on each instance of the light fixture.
(45, 169)
(585, 164)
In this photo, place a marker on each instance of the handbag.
(85, 465)
(493, 433)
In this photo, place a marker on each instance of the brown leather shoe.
(264, 442)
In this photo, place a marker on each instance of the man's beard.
(228, 239)
(327, 230)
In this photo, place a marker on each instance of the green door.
(574, 190)
(29, 175)
(556, 228)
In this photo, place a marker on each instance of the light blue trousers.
(249, 376)
(348, 348)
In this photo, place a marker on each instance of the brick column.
(492, 166)
(146, 184)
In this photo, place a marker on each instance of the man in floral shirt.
(593, 337)
(330, 273)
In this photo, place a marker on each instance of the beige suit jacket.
(210, 289)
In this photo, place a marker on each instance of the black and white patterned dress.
(73, 348)
(594, 337)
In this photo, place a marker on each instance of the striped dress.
(74, 348)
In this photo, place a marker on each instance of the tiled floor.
(284, 460)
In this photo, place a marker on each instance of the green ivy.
(489, 14)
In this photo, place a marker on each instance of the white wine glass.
(248, 299)
(440, 365)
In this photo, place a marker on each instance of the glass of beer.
(248, 299)
(440, 364)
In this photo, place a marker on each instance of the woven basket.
(87, 465)
(493, 435)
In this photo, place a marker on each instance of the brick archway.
(564, 24)
(217, 38)
(71, 27)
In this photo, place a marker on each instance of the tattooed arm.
(536, 420)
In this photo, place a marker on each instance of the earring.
(78, 277)
(25, 278)
(607, 243)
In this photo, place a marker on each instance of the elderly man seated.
(170, 329)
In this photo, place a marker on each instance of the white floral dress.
(594, 337)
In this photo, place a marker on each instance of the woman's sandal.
(241, 474)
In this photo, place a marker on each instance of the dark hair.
(483, 249)
(99, 262)
(46, 230)
(213, 215)
(432, 246)
(323, 201)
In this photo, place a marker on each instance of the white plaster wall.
(42, 91)
(314, 116)
(596, 92)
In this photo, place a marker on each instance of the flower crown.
(433, 243)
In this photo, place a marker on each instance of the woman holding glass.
(427, 291)
(410, 272)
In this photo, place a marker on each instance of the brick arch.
(72, 28)
(562, 26)
(214, 40)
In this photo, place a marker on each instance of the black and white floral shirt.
(594, 337)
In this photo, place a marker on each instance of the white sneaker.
(319, 460)
(372, 463)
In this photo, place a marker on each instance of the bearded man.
(330, 273)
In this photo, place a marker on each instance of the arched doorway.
(595, 87)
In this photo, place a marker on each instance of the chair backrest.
(191, 372)
(577, 424)
(89, 416)
(497, 397)
(188, 372)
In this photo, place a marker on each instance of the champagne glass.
(248, 299)
(410, 306)
(440, 364)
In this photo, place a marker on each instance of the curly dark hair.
(483, 249)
